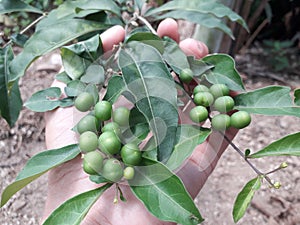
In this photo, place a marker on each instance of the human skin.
(69, 179)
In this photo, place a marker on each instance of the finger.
(192, 47)
(111, 37)
(168, 27)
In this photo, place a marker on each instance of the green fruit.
(128, 173)
(200, 88)
(103, 110)
(198, 114)
(92, 162)
(224, 104)
(204, 98)
(186, 75)
(88, 141)
(121, 116)
(87, 123)
(131, 154)
(220, 122)
(112, 170)
(109, 143)
(114, 127)
(219, 90)
(240, 119)
(84, 101)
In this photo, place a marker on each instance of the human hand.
(69, 179)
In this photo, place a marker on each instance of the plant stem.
(27, 28)
(257, 171)
(146, 23)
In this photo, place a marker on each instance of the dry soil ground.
(216, 199)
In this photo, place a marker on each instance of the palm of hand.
(69, 179)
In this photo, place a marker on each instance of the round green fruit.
(109, 143)
(200, 88)
(128, 173)
(204, 98)
(112, 170)
(103, 110)
(87, 123)
(114, 127)
(220, 122)
(240, 119)
(131, 154)
(84, 101)
(198, 114)
(88, 141)
(219, 90)
(186, 75)
(92, 162)
(224, 104)
(121, 116)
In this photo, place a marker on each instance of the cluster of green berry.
(101, 142)
(214, 98)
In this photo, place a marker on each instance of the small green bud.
(277, 185)
(283, 165)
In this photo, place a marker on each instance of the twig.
(27, 28)
(258, 172)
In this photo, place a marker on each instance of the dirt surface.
(216, 199)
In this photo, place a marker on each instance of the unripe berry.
(88, 141)
(198, 114)
(112, 170)
(240, 119)
(220, 122)
(92, 162)
(200, 88)
(186, 75)
(103, 110)
(219, 90)
(84, 101)
(224, 104)
(204, 98)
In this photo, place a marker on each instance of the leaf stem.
(27, 28)
(239, 151)
(145, 22)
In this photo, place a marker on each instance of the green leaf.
(138, 127)
(73, 64)
(94, 74)
(10, 98)
(115, 88)
(208, 13)
(147, 38)
(164, 194)
(76, 208)
(74, 88)
(198, 66)
(271, 100)
(93, 90)
(224, 71)
(90, 49)
(49, 38)
(244, 198)
(288, 145)
(106, 5)
(8, 6)
(187, 139)
(63, 77)
(37, 166)
(46, 100)
(174, 56)
(151, 85)
(297, 97)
